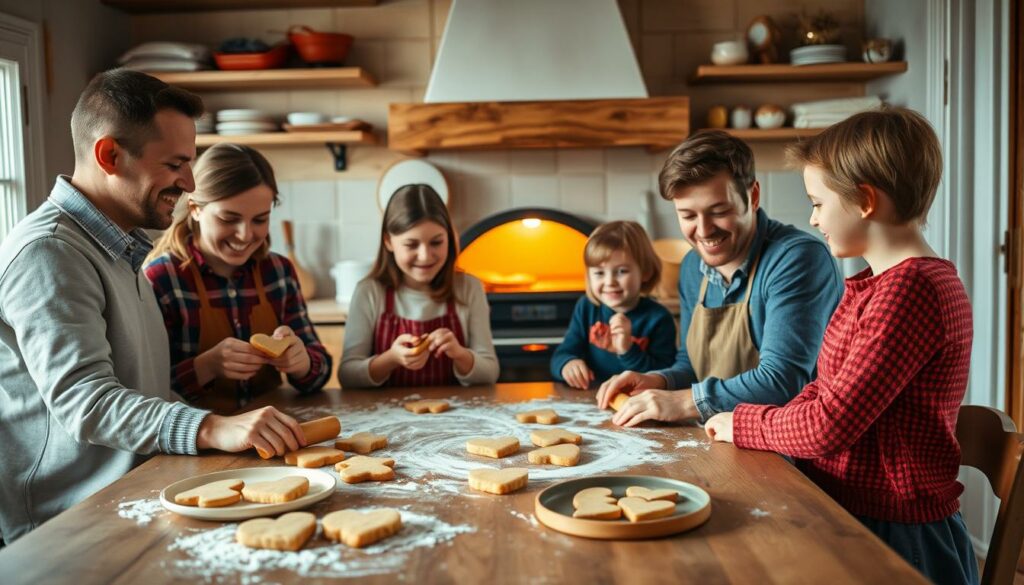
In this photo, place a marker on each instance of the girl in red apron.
(415, 321)
(218, 284)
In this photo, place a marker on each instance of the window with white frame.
(13, 196)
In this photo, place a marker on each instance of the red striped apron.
(439, 371)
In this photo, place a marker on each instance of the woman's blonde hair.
(630, 238)
(409, 206)
(222, 172)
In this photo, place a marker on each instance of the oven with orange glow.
(530, 262)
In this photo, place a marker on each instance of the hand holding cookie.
(267, 429)
(232, 359)
(620, 333)
(406, 352)
(295, 359)
(444, 342)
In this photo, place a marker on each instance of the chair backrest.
(989, 441)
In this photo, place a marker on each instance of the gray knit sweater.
(84, 362)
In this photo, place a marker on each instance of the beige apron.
(719, 342)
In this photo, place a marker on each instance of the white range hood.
(530, 50)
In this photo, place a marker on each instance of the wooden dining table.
(768, 522)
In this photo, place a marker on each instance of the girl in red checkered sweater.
(875, 430)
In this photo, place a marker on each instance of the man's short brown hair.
(704, 155)
(893, 149)
(122, 103)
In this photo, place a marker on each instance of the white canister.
(740, 117)
(347, 275)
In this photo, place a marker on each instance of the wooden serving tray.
(330, 127)
(553, 507)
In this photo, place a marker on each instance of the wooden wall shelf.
(828, 72)
(269, 79)
(654, 122)
(152, 6)
(289, 138)
(773, 134)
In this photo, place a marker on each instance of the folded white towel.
(818, 120)
(162, 49)
(838, 106)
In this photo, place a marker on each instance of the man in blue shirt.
(754, 299)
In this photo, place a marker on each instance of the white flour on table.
(141, 511)
(214, 554)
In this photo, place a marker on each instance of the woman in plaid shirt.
(875, 430)
(218, 284)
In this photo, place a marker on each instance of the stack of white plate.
(204, 123)
(238, 122)
(814, 54)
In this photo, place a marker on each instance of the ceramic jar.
(769, 116)
(729, 53)
(718, 117)
(740, 118)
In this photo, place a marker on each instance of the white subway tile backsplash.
(580, 160)
(406, 63)
(631, 159)
(317, 249)
(627, 194)
(534, 191)
(313, 200)
(359, 242)
(357, 202)
(475, 197)
(583, 195)
(531, 162)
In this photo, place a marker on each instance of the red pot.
(319, 47)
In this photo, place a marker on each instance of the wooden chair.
(989, 441)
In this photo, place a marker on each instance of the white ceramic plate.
(263, 126)
(243, 116)
(321, 486)
(408, 172)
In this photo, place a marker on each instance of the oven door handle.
(508, 341)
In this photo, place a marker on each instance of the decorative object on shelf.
(273, 58)
(319, 48)
(877, 50)
(821, 29)
(306, 118)
(729, 53)
(769, 116)
(718, 117)
(764, 35)
(740, 118)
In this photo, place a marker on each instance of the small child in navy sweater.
(615, 328)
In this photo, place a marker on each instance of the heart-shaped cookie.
(316, 456)
(269, 346)
(362, 443)
(289, 532)
(565, 455)
(496, 448)
(597, 509)
(421, 345)
(425, 406)
(279, 491)
(362, 468)
(546, 438)
(637, 509)
(359, 529)
(652, 495)
(212, 495)
(498, 481)
(544, 416)
(600, 494)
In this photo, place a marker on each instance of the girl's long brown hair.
(222, 172)
(409, 206)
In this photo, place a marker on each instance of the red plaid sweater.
(875, 430)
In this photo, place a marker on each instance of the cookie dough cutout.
(311, 457)
(421, 345)
(362, 443)
(359, 529)
(269, 346)
(495, 448)
(565, 455)
(619, 400)
(596, 504)
(498, 481)
(212, 495)
(652, 495)
(362, 468)
(279, 491)
(289, 532)
(546, 438)
(638, 509)
(544, 416)
(425, 406)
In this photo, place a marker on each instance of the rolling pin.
(315, 431)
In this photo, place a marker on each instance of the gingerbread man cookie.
(498, 481)
(279, 491)
(362, 468)
(362, 443)
(212, 495)
(495, 448)
(359, 529)
(544, 416)
(289, 532)
(425, 406)
(565, 455)
(310, 457)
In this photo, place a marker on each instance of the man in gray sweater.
(84, 360)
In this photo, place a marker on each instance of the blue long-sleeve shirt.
(796, 288)
(649, 319)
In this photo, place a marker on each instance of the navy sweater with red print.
(176, 294)
(875, 430)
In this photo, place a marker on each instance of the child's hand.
(719, 427)
(444, 342)
(576, 374)
(403, 352)
(295, 360)
(233, 359)
(621, 333)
